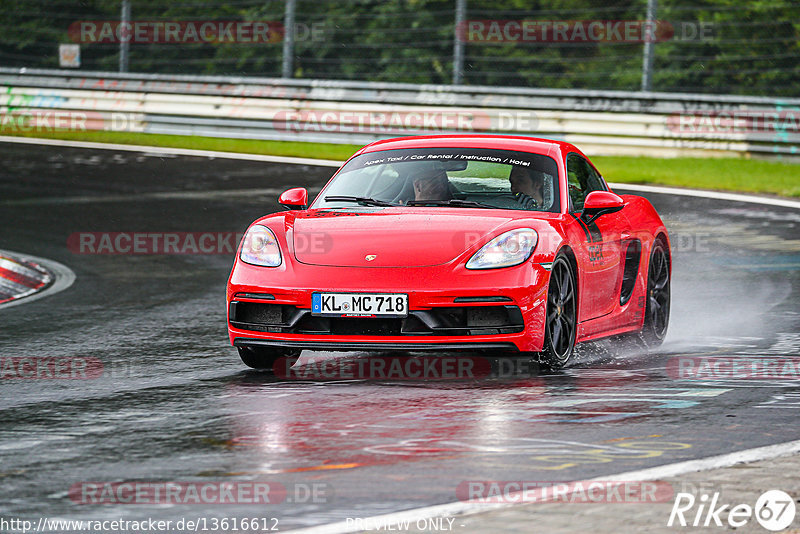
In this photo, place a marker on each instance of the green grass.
(223, 144)
(723, 174)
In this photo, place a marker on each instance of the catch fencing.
(600, 122)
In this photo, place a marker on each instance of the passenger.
(528, 186)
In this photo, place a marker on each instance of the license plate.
(359, 304)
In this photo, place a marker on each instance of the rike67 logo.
(774, 510)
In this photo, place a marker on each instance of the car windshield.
(454, 177)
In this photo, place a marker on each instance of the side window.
(582, 179)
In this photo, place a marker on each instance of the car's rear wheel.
(562, 315)
(656, 316)
(264, 358)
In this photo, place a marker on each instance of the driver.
(432, 185)
(528, 186)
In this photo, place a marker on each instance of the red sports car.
(452, 242)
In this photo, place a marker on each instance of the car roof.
(497, 142)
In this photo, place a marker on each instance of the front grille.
(257, 313)
(447, 321)
(365, 326)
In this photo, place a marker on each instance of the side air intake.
(633, 255)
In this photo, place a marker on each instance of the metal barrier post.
(458, 43)
(649, 46)
(288, 39)
(124, 43)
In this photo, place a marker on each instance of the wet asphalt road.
(174, 403)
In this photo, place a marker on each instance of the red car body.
(422, 251)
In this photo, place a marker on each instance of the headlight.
(260, 247)
(505, 250)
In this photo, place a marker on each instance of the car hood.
(390, 237)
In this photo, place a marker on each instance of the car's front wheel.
(264, 358)
(562, 315)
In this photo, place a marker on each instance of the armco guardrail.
(601, 122)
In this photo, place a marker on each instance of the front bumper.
(450, 308)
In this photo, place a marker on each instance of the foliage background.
(753, 48)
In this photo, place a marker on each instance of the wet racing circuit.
(166, 399)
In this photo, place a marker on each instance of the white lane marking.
(135, 197)
(64, 277)
(334, 163)
(172, 151)
(654, 473)
(735, 197)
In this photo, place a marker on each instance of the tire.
(561, 320)
(264, 358)
(656, 315)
